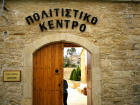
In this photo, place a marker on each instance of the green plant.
(76, 74)
(73, 65)
(71, 75)
(75, 77)
(78, 70)
(67, 62)
(66, 65)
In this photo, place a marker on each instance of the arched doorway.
(28, 64)
(48, 75)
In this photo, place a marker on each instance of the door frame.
(83, 42)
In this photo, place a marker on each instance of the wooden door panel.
(46, 89)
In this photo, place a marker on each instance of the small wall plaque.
(12, 76)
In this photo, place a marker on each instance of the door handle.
(60, 90)
(59, 84)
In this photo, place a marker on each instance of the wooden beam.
(66, 44)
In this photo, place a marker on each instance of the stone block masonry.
(117, 34)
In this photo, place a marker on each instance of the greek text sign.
(12, 76)
(64, 18)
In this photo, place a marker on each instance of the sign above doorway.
(60, 17)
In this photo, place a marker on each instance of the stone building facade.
(114, 40)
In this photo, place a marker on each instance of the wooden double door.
(48, 75)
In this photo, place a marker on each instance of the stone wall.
(117, 33)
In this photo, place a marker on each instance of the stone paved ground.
(76, 98)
